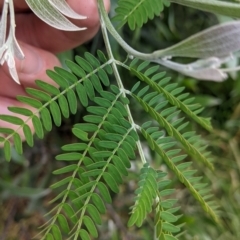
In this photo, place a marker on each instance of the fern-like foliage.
(136, 13)
(52, 103)
(151, 196)
(107, 142)
(107, 139)
(156, 104)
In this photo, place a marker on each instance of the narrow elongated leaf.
(76, 69)
(170, 228)
(82, 95)
(63, 106)
(18, 143)
(11, 119)
(74, 147)
(218, 41)
(38, 127)
(45, 11)
(7, 150)
(80, 134)
(56, 114)
(73, 156)
(98, 202)
(28, 135)
(64, 8)
(72, 101)
(91, 59)
(110, 182)
(69, 212)
(63, 223)
(214, 6)
(49, 236)
(30, 101)
(61, 81)
(61, 182)
(84, 235)
(66, 169)
(93, 212)
(90, 226)
(47, 87)
(104, 192)
(56, 232)
(46, 119)
(38, 94)
(104, 77)
(22, 111)
(84, 64)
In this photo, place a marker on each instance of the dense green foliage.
(143, 131)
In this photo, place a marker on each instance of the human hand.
(39, 43)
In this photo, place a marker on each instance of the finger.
(4, 104)
(32, 67)
(35, 32)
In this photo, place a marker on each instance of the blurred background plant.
(24, 182)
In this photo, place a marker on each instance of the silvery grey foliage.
(9, 47)
(213, 47)
(51, 12)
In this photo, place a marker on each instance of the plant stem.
(118, 38)
(104, 23)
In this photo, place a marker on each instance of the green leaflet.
(147, 192)
(173, 100)
(191, 185)
(136, 13)
(94, 165)
(172, 131)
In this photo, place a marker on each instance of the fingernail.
(32, 62)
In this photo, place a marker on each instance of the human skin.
(40, 42)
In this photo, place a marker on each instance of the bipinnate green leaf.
(186, 181)
(146, 193)
(136, 13)
(204, 122)
(163, 118)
